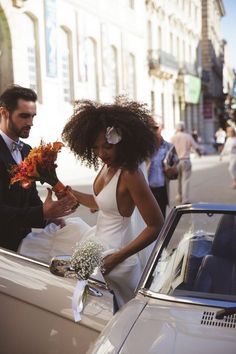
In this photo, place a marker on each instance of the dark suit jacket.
(20, 209)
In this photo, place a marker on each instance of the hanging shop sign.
(207, 110)
(192, 89)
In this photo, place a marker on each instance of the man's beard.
(21, 133)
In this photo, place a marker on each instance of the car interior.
(201, 262)
(217, 273)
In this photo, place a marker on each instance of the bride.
(129, 219)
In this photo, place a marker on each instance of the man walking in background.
(183, 143)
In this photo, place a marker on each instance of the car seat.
(217, 273)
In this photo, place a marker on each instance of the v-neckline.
(96, 195)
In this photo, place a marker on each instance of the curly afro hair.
(132, 121)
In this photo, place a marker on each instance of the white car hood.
(164, 327)
(172, 328)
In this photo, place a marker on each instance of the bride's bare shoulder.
(132, 175)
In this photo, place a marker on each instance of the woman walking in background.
(230, 150)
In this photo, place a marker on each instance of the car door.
(36, 312)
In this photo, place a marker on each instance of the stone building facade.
(162, 53)
(72, 49)
(212, 67)
(174, 33)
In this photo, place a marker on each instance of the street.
(210, 182)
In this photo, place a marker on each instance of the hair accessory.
(112, 136)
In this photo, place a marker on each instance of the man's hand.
(59, 221)
(59, 208)
(93, 210)
(63, 193)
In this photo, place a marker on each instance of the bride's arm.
(85, 199)
(150, 212)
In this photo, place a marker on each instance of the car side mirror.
(60, 266)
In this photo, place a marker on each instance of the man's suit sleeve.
(28, 215)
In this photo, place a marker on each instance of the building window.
(163, 108)
(32, 48)
(65, 65)
(131, 76)
(195, 14)
(190, 9)
(131, 4)
(190, 53)
(159, 45)
(92, 68)
(177, 49)
(114, 72)
(171, 44)
(153, 102)
(149, 34)
(183, 51)
(174, 107)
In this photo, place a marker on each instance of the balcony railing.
(188, 68)
(160, 61)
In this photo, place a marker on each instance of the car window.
(199, 258)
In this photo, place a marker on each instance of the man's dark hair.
(9, 98)
(130, 119)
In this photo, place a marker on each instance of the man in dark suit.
(21, 209)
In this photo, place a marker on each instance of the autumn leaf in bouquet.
(40, 165)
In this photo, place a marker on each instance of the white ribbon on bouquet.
(77, 299)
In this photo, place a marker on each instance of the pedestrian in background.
(195, 135)
(183, 143)
(220, 137)
(230, 150)
(158, 182)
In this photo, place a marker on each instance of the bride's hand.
(110, 262)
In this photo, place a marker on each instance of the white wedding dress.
(112, 230)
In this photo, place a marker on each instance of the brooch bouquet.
(87, 256)
(40, 165)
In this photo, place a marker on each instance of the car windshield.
(199, 259)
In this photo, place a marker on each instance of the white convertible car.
(185, 302)
(36, 311)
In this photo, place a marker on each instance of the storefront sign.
(207, 110)
(192, 89)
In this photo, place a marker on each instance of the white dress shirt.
(16, 154)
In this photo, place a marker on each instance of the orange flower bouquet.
(40, 165)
